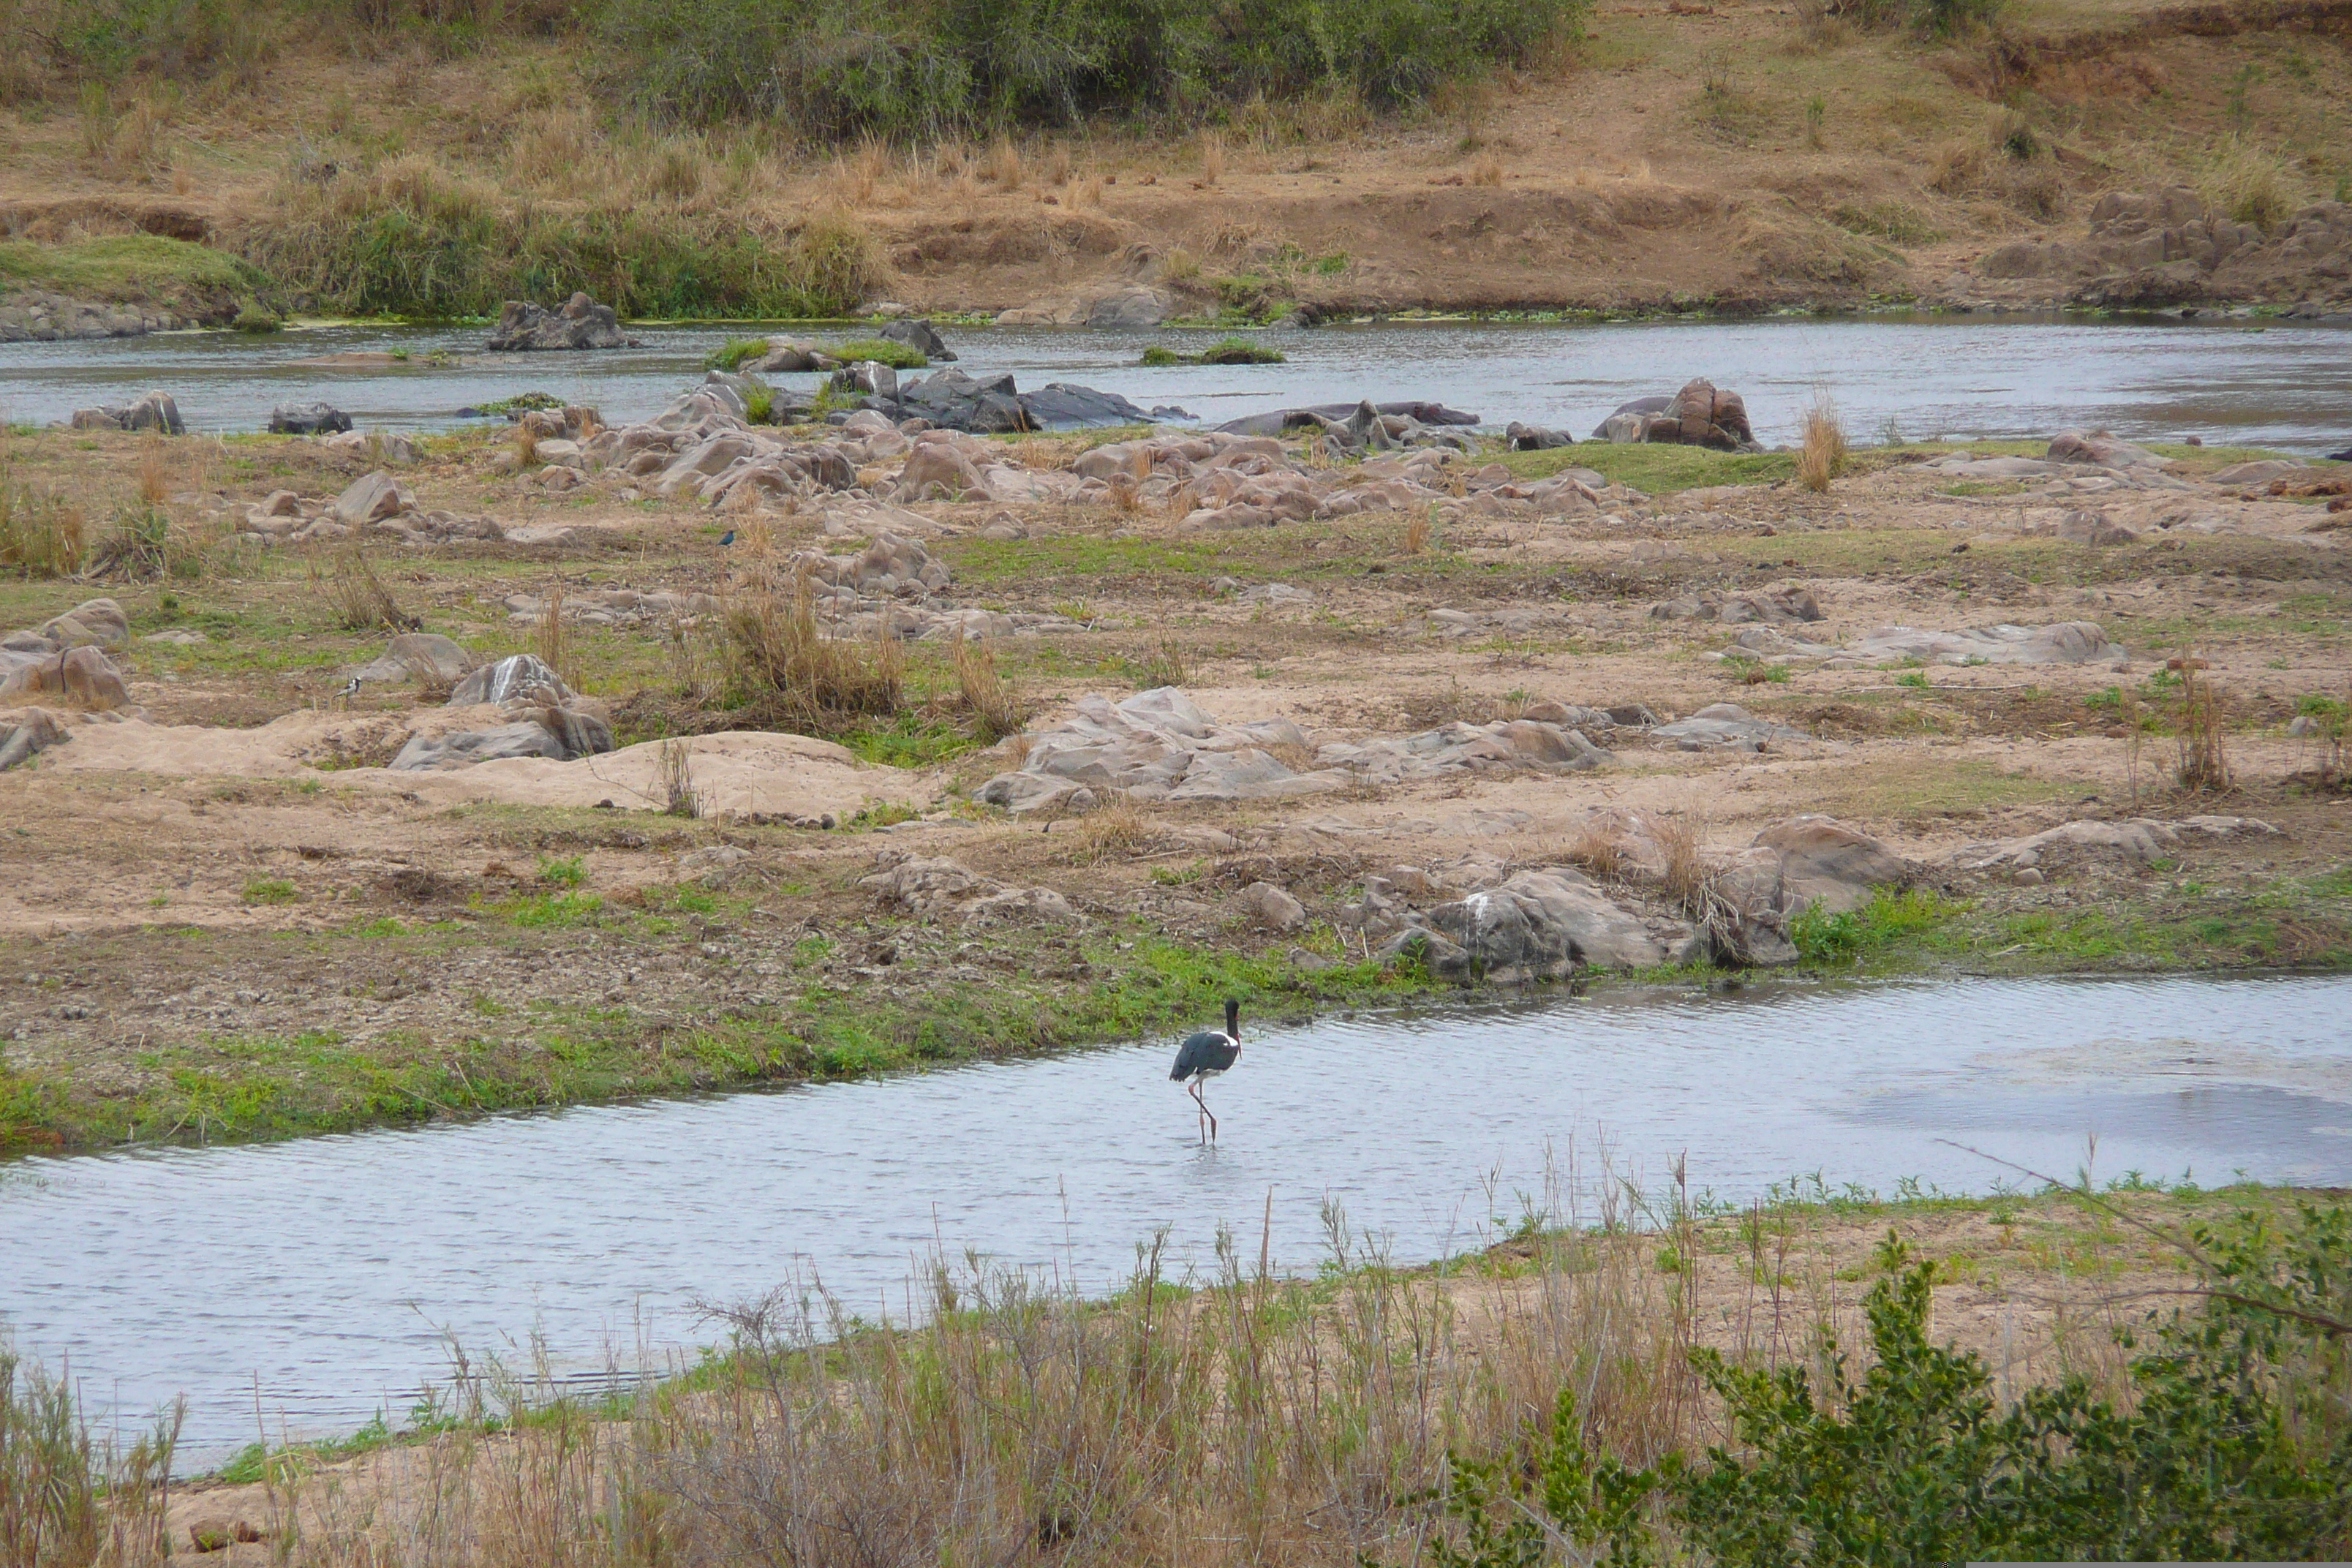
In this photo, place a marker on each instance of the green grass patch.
(1227, 351)
(734, 352)
(1656, 468)
(126, 266)
(882, 350)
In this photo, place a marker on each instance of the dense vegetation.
(2228, 1442)
(920, 70)
(831, 71)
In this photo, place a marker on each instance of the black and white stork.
(1203, 1056)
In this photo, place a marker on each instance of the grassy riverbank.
(1373, 1413)
(794, 1004)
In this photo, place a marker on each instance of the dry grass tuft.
(362, 602)
(1111, 832)
(1599, 851)
(1486, 170)
(803, 677)
(2203, 764)
(679, 797)
(1418, 529)
(154, 472)
(552, 642)
(526, 446)
(1090, 193)
(1213, 157)
(1003, 164)
(1826, 454)
(1058, 167)
(2248, 181)
(996, 708)
(42, 534)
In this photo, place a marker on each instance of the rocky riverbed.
(400, 778)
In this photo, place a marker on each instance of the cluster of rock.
(309, 419)
(2062, 642)
(895, 587)
(929, 889)
(1160, 745)
(788, 356)
(154, 411)
(2168, 248)
(375, 504)
(1786, 604)
(1546, 923)
(38, 316)
(1700, 414)
(1344, 432)
(994, 404)
(65, 659)
(580, 323)
(2073, 846)
(2078, 463)
(1155, 745)
(1251, 481)
(547, 720)
(62, 662)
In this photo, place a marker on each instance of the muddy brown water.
(2238, 381)
(306, 1285)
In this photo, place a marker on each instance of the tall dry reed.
(1826, 454)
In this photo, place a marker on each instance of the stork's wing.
(1194, 1054)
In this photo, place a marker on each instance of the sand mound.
(732, 771)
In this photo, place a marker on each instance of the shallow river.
(314, 1279)
(2243, 382)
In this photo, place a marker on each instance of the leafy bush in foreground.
(2231, 1442)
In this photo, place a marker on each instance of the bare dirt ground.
(224, 917)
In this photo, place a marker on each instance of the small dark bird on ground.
(1203, 1056)
(728, 540)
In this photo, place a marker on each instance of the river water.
(1961, 377)
(313, 1281)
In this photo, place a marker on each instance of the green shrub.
(2231, 1444)
(1852, 935)
(1157, 355)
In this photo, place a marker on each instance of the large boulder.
(517, 677)
(1536, 925)
(939, 464)
(1727, 726)
(98, 623)
(951, 398)
(81, 677)
(27, 732)
(582, 323)
(418, 655)
(309, 419)
(922, 337)
(152, 411)
(464, 748)
(1060, 405)
(2099, 449)
(1813, 861)
(371, 499)
(1702, 415)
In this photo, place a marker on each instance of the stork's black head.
(1233, 1019)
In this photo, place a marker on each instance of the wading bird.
(1203, 1056)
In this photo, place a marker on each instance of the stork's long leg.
(1211, 1115)
(1193, 1088)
